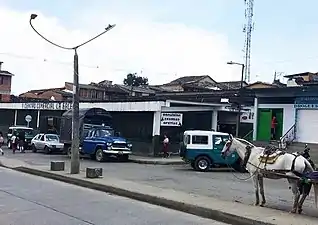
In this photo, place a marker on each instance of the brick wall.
(5, 86)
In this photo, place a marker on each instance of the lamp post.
(238, 119)
(75, 162)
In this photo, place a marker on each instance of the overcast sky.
(163, 39)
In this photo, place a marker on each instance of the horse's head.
(227, 147)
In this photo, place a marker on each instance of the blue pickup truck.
(97, 137)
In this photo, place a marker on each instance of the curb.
(172, 204)
(140, 161)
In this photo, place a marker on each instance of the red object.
(274, 122)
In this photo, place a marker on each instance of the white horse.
(285, 163)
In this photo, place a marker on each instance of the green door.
(279, 128)
(264, 124)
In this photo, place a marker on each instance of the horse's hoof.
(256, 204)
(300, 211)
(293, 211)
(262, 204)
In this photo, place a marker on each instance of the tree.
(134, 80)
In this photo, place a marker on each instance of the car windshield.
(27, 132)
(105, 133)
(52, 137)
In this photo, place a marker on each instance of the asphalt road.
(223, 185)
(31, 200)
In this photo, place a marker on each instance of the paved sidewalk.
(173, 160)
(225, 211)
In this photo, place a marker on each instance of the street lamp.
(75, 162)
(238, 119)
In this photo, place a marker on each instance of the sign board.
(247, 115)
(171, 119)
(306, 103)
(47, 105)
(306, 106)
(28, 118)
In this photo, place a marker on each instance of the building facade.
(5, 84)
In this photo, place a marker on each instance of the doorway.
(264, 124)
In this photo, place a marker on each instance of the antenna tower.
(248, 29)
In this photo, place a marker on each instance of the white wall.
(288, 114)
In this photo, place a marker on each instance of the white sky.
(163, 51)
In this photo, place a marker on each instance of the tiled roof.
(231, 85)
(140, 89)
(6, 73)
(188, 79)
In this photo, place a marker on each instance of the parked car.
(28, 133)
(47, 143)
(202, 149)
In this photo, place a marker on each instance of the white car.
(47, 143)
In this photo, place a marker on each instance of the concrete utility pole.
(238, 118)
(75, 162)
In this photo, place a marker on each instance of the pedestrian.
(21, 141)
(1, 143)
(14, 140)
(273, 128)
(165, 146)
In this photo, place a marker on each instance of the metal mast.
(248, 28)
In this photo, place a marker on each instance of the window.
(219, 141)
(10, 131)
(51, 137)
(200, 139)
(42, 138)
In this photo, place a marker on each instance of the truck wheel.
(99, 155)
(34, 148)
(202, 164)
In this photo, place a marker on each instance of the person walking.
(273, 128)
(165, 146)
(1, 143)
(21, 141)
(14, 140)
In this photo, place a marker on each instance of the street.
(222, 185)
(31, 200)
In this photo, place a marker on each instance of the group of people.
(17, 142)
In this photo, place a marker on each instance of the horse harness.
(267, 152)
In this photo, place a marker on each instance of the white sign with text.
(171, 119)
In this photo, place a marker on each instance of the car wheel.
(34, 148)
(99, 155)
(47, 150)
(202, 164)
(9, 145)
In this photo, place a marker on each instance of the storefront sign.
(247, 115)
(171, 119)
(306, 106)
(306, 103)
(47, 105)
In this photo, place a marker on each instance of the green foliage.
(134, 80)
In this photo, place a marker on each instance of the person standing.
(273, 128)
(1, 143)
(165, 146)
